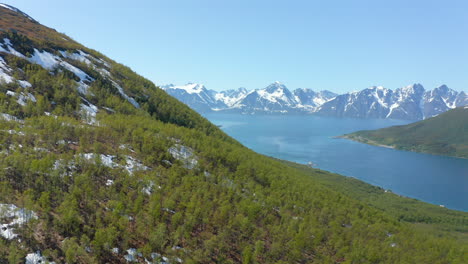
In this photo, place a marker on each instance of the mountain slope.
(445, 134)
(97, 165)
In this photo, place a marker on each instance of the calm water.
(431, 178)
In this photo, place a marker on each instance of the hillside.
(445, 134)
(98, 165)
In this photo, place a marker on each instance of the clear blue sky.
(335, 45)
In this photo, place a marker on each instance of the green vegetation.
(445, 134)
(423, 215)
(100, 188)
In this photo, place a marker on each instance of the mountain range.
(275, 98)
(412, 102)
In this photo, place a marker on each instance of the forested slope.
(445, 134)
(97, 165)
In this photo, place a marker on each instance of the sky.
(340, 46)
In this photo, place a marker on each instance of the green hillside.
(445, 134)
(110, 169)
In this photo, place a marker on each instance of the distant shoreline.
(374, 143)
(367, 141)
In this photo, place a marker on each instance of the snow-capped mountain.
(231, 97)
(196, 96)
(410, 102)
(311, 99)
(406, 103)
(275, 98)
(442, 99)
(368, 103)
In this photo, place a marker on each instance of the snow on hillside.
(51, 61)
(12, 217)
(14, 9)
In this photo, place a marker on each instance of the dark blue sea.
(435, 179)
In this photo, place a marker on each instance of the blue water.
(435, 179)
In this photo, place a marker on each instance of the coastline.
(375, 143)
(368, 142)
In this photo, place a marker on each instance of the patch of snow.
(16, 216)
(10, 93)
(231, 97)
(184, 154)
(169, 210)
(50, 62)
(124, 95)
(35, 258)
(109, 183)
(107, 160)
(104, 72)
(10, 49)
(79, 56)
(45, 59)
(318, 101)
(109, 109)
(127, 147)
(8, 7)
(4, 72)
(22, 98)
(17, 11)
(89, 112)
(132, 255)
(8, 117)
(24, 84)
(149, 189)
(131, 164)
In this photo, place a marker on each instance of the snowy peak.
(277, 93)
(442, 99)
(311, 99)
(234, 92)
(275, 98)
(191, 88)
(231, 97)
(272, 88)
(414, 89)
(411, 102)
